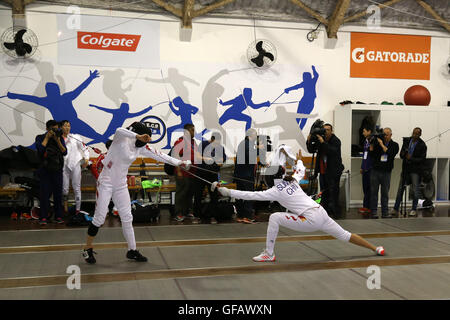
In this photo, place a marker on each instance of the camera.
(378, 134)
(265, 141)
(316, 129)
(58, 132)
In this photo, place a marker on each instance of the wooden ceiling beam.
(337, 18)
(364, 13)
(188, 9)
(211, 7)
(435, 15)
(175, 11)
(310, 11)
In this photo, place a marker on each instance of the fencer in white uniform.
(305, 215)
(76, 158)
(127, 145)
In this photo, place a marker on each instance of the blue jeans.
(405, 179)
(379, 179)
(50, 183)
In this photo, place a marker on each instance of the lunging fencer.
(127, 145)
(305, 215)
(77, 158)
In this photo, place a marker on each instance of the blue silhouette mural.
(238, 105)
(61, 107)
(184, 111)
(119, 116)
(306, 104)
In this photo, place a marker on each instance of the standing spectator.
(51, 150)
(185, 148)
(329, 165)
(413, 153)
(214, 150)
(77, 158)
(382, 152)
(244, 171)
(366, 166)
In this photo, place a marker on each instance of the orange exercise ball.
(417, 96)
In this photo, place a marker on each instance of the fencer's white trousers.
(75, 176)
(121, 198)
(317, 220)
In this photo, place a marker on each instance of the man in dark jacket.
(51, 150)
(413, 153)
(244, 171)
(329, 165)
(382, 153)
(214, 150)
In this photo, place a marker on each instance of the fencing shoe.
(380, 251)
(88, 256)
(136, 255)
(264, 257)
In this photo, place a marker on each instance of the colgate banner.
(109, 42)
(375, 55)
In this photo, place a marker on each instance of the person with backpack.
(304, 215)
(127, 145)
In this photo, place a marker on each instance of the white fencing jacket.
(289, 194)
(123, 152)
(76, 150)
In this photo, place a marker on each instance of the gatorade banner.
(390, 56)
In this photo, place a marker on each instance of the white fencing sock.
(272, 233)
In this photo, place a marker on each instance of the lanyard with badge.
(384, 156)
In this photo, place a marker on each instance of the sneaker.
(412, 213)
(248, 221)
(373, 215)
(386, 216)
(394, 213)
(213, 221)
(25, 216)
(136, 255)
(35, 213)
(363, 210)
(88, 255)
(380, 251)
(190, 216)
(115, 212)
(179, 218)
(14, 216)
(43, 221)
(59, 220)
(264, 257)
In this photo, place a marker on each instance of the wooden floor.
(189, 261)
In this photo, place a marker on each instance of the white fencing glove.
(186, 164)
(222, 190)
(214, 185)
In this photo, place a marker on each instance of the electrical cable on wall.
(312, 34)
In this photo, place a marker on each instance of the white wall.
(216, 44)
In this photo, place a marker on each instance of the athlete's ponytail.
(288, 178)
